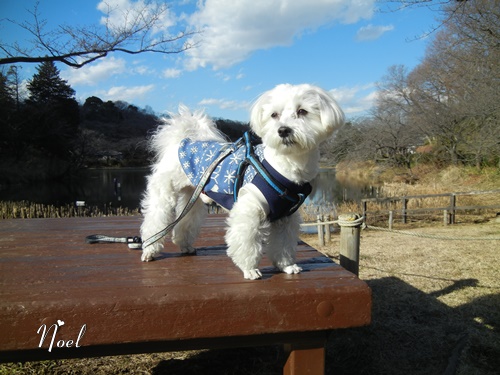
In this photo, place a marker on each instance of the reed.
(30, 210)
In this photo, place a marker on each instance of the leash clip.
(134, 242)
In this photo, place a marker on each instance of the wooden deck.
(112, 303)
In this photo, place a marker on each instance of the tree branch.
(138, 31)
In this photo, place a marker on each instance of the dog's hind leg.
(187, 230)
(282, 244)
(158, 208)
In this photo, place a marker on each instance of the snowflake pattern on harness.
(196, 156)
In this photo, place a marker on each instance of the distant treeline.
(47, 134)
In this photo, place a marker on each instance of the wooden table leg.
(306, 357)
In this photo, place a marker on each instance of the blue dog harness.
(245, 163)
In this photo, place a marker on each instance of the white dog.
(292, 121)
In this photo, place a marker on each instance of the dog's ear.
(256, 120)
(332, 116)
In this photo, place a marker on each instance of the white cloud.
(171, 73)
(372, 32)
(232, 30)
(128, 94)
(142, 70)
(119, 14)
(92, 74)
(355, 100)
(224, 104)
(223, 77)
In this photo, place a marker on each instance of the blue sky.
(247, 47)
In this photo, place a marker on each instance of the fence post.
(453, 202)
(391, 219)
(445, 217)
(328, 233)
(365, 209)
(405, 207)
(350, 229)
(321, 237)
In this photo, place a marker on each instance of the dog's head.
(295, 119)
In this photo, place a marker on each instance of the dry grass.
(30, 210)
(428, 180)
(436, 304)
(436, 308)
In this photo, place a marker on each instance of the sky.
(246, 47)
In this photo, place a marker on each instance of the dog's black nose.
(284, 131)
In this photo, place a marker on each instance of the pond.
(125, 186)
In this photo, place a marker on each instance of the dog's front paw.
(292, 269)
(147, 257)
(252, 274)
(188, 250)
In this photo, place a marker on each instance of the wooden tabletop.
(105, 295)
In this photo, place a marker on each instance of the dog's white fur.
(309, 116)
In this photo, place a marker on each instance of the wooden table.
(100, 299)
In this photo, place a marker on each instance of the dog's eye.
(275, 115)
(301, 112)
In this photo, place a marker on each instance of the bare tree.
(472, 15)
(15, 84)
(455, 96)
(138, 30)
(390, 135)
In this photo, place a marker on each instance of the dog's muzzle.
(284, 131)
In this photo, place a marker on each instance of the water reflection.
(332, 189)
(124, 187)
(97, 187)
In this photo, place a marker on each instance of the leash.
(136, 242)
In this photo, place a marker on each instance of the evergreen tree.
(53, 111)
(6, 98)
(46, 86)
(6, 108)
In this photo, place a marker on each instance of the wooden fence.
(449, 210)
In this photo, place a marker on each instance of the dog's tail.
(186, 124)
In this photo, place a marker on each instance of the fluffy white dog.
(292, 121)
